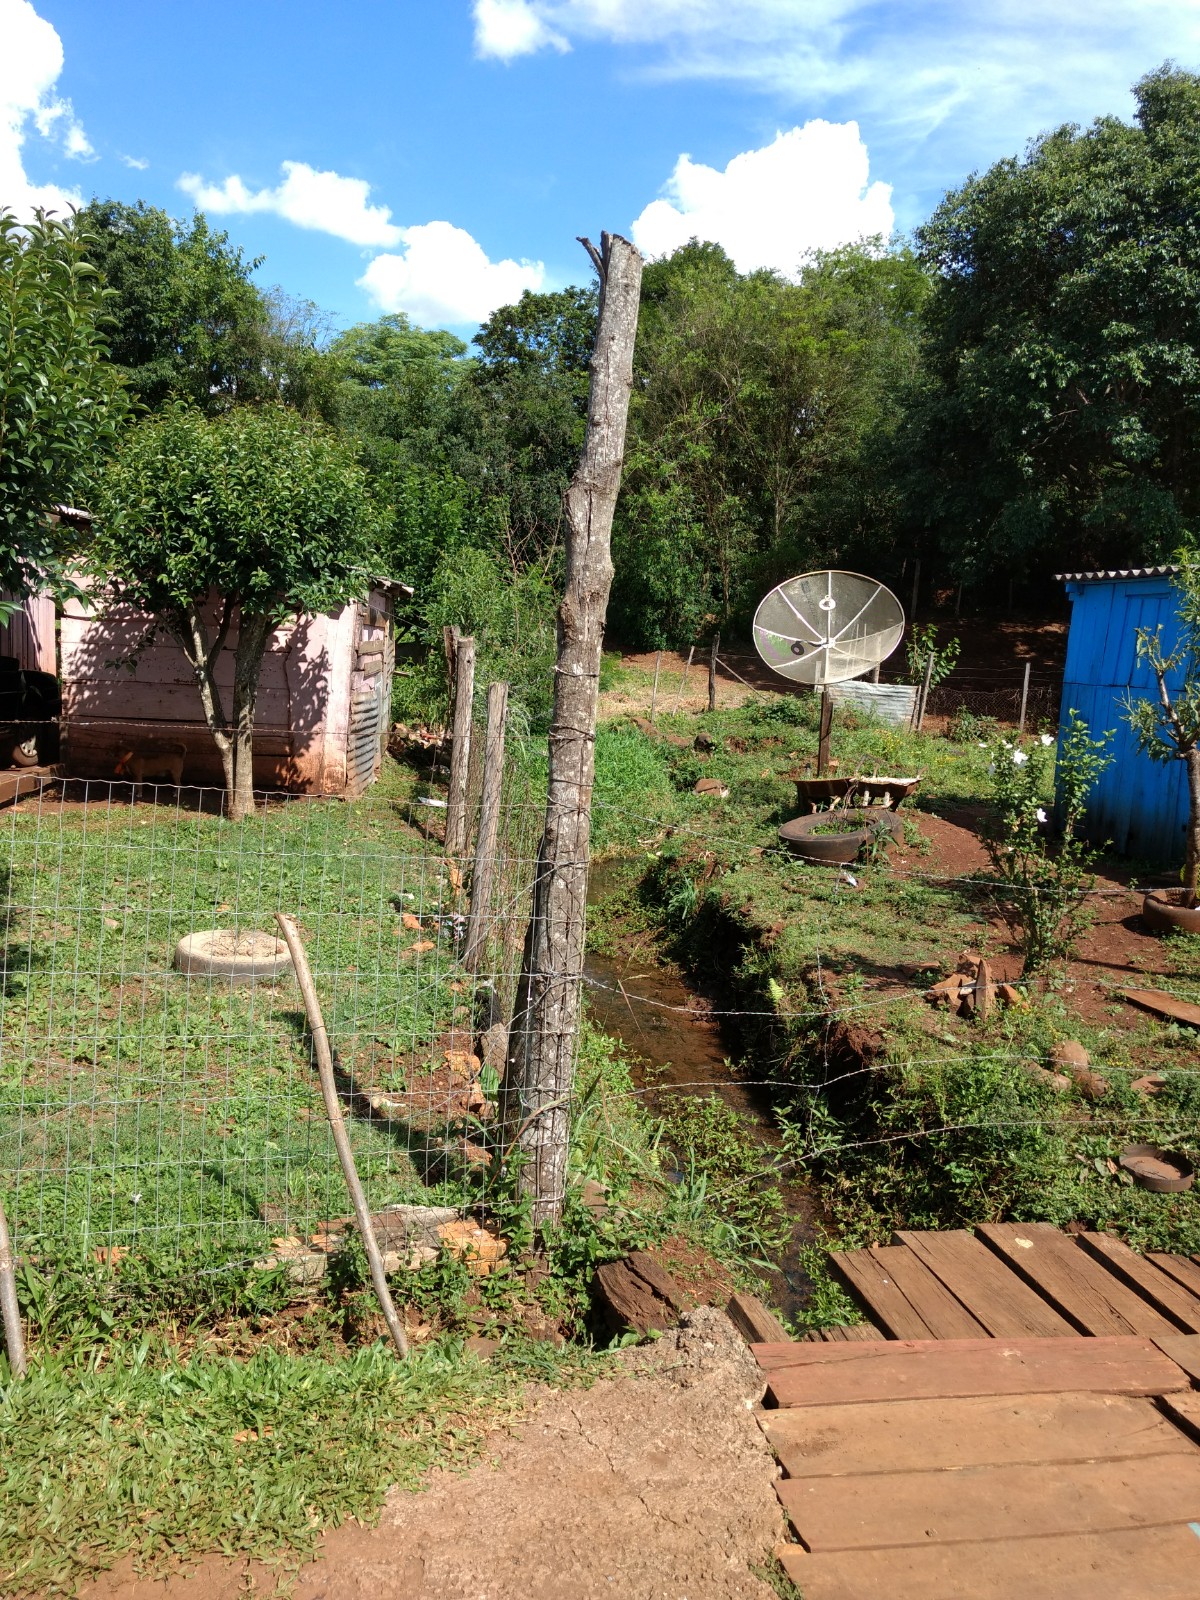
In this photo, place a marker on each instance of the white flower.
(1019, 758)
(1047, 739)
(136, 1198)
(1041, 813)
(991, 767)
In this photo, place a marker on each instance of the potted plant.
(1168, 729)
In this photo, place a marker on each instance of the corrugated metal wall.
(1139, 805)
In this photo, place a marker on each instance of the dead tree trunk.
(541, 1062)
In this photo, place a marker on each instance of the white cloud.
(33, 61)
(138, 163)
(981, 79)
(808, 190)
(322, 200)
(443, 275)
(509, 28)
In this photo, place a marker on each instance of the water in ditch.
(677, 1046)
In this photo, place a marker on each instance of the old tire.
(232, 957)
(1162, 910)
(25, 752)
(836, 849)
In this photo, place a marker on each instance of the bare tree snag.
(489, 826)
(460, 748)
(541, 1063)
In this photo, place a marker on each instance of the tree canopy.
(60, 400)
(1058, 415)
(254, 510)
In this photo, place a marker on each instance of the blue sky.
(437, 156)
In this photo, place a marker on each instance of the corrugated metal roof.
(1166, 570)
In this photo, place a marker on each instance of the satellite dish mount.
(826, 627)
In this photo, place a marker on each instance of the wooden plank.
(1184, 1350)
(947, 1317)
(863, 1332)
(1132, 1564)
(754, 1321)
(1086, 1293)
(1165, 1005)
(996, 1296)
(873, 1286)
(865, 1511)
(837, 1374)
(1178, 1267)
(1182, 1409)
(1151, 1282)
(934, 1435)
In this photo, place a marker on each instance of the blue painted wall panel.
(1139, 806)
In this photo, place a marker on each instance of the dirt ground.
(1115, 950)
(656, 1485)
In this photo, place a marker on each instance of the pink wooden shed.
(29, 634)
(322, 715)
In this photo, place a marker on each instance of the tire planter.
(232, 957)
(1161, 1171)
(1162, 910)
(837, 849)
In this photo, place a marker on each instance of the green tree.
(757, 407)
(1059, 420)
(60, 400)
(189, 323)
(253, 512)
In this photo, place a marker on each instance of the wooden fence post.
(654, 691)
(1024, 701)
(10, 1311)
(489, 826)
(683, 681)
(460, 748)
(541, 1064)
(924, 695)
(712, 673)
(823, 736)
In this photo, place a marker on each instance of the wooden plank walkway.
(1045, 1447)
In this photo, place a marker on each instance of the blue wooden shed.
(1139, 806)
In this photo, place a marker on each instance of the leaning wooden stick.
(14, 1339)
(324, 1055)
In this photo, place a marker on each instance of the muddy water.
(678, 1047)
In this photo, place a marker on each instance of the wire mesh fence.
(143, 1104)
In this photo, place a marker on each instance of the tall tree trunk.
(191, 631)
(253, 633)
(545, 1025)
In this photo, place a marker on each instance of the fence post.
(540, 1078)
(924, 693)
(654, 691)
(823, 735)
(712, 673)
(14, 1339)
(1024, 701)
(489, 825)
(684, 679)
(460, 748)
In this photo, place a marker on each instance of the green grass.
(137, 1104)
(141, 1452)
(946, 1127)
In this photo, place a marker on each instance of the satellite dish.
(825, 627)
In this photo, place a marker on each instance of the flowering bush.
(1043, 881)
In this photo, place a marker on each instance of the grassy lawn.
(138, 1105)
